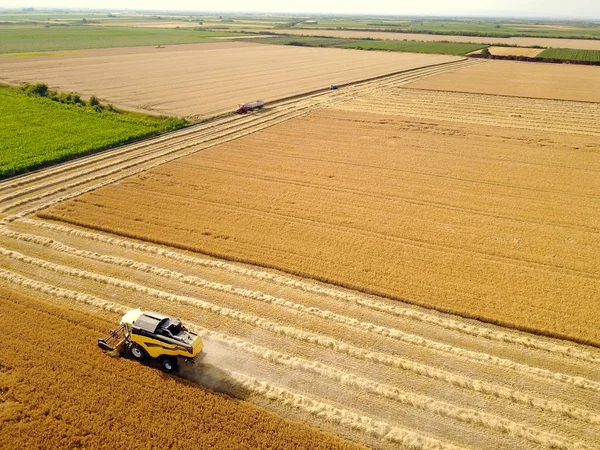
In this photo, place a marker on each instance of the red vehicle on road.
(251, 106)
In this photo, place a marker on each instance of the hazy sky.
(586, 9)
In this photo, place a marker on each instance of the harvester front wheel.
(137, 352)
(169, 364)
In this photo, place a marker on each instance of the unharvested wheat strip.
(446, 323)
(415, 400)
(382, 430)
(324, 341)
(523, 261)
(328, 315)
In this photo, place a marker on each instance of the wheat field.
(334, 251)
(203, 80)
(460, 217)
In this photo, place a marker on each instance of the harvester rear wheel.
(137, 352)
(168, 364)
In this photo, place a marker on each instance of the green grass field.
(19, 39)
(37, 132)
(573, 55)
(442, 48)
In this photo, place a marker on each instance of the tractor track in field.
(374, 370)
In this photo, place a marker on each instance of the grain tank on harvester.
(149, 334)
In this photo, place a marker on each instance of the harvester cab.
(149, 334)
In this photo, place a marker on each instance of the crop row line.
(392, 333)
(323, 341)
(468, 416)
(398, 311)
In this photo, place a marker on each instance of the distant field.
(515, 41)
(520, 79)
(40, 39)
(575, 55)
(203, 80)
(36, 132)
(442, 48)
(494, 28)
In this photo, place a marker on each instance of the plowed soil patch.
(496, 223)
(200, 80)
(521, 79)
(57, 390)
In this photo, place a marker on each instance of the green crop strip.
(36, 132)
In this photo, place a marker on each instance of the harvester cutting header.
(151, 334)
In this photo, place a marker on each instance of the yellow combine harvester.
(154, 335)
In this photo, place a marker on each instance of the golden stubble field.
(200, 80)
(521, 79)
(463, 202)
